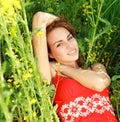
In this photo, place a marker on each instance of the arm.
(96, 79)
(41, 20)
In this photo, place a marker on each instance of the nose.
(69, 45)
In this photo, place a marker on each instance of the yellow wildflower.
(9, 80)
(26, 76)
(9, 5)
(15, 83)
(12, 76)
(8, 85)
(46, 81)
(19, 94)
(58, 67)
(25, 117)
(12, 30)
(40, 34)
(57, 64)
(30, 70)
(33, 101)
(18, 85)
(13, 101)
(34, 114)
(11, 90)
(16, 3)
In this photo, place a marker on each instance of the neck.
(73, 64)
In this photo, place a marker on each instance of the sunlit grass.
(23, 96)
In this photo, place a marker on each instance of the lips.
(73, 52)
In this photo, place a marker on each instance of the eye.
(59, 44)
(70, 37)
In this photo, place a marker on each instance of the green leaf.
(115, 77)
(106, 29)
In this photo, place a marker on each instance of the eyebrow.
(61, 40)
(68, 35)
(57, 42)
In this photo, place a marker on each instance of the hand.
(97, 67)
(45, 18)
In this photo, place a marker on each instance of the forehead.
(57, 34)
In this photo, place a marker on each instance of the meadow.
(23, 95)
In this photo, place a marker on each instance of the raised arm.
(96, 79)
(40, 21)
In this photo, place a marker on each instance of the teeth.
(72, 52)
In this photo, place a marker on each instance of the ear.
(50, 55)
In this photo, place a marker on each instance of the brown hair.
(61, 23)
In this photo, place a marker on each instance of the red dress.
(77, 103)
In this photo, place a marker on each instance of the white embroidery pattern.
(82, 106)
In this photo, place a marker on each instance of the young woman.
(81, 94)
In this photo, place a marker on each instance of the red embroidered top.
(77, 103)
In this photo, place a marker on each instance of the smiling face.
(63, 46)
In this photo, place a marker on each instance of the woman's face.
(63, 46)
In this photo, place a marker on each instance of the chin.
(77, 57)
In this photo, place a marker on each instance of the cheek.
(76, 44)
(58, 53)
